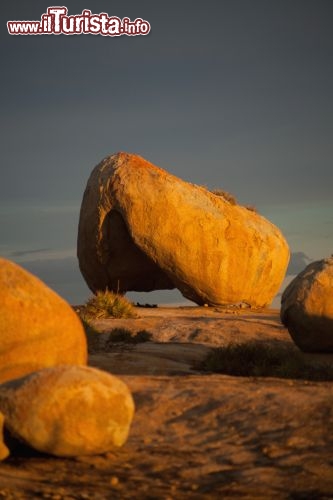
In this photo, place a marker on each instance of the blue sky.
(232, 94)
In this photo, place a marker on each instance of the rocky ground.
(195, 434)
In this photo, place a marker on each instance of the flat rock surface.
(196, 435)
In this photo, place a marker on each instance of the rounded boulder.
(142, 229)
(68, 410)
(307, 307)
(37, 327)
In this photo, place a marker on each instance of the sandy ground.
(196, 435)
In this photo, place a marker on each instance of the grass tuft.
(105, 305)
(224, 194)
(257, 360)
(251, 208)
(230, 198)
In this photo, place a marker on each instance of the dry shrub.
(255, 359)
(106, 305)
(123, 335)
(224, 194)
(252, 208)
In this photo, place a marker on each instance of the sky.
(234, 94)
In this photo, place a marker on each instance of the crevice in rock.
(128, 267)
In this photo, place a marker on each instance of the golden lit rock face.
(212, 251)
(307, 307)
(37, 327)
(68, 410)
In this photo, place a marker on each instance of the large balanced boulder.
(307, 307)
(37, 327)
(68, 410)
(144, 229)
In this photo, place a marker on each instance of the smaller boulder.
(37, 327)
(68, 410)
(307, 307)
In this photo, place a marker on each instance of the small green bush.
(124, 335)
(258, 360)
(105, 305)
(143, 336)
